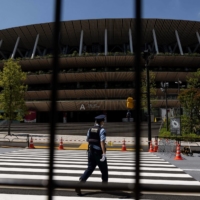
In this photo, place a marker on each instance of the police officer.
(96, 137)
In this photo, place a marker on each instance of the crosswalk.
(32, 164)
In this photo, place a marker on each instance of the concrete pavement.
(69, 141)
(78, 142)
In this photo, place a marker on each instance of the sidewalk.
(84, 146)
(69, 142)
(75, 142)
(67, 138)
(67, 146)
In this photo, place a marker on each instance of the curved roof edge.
(128, 18)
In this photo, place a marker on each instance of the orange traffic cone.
(156, 145)
(178, 153)
(31, 145)
(61, 145)
(151, 148)
(123, 145)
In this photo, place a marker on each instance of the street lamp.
(179, 84)
(147, 56)
(163, 88)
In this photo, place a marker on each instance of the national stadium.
(96, 59)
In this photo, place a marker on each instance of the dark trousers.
(94, 157)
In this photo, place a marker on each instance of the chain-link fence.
(167, 146)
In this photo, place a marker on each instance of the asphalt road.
(191, 165)
(98, 195)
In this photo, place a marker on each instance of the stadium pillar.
(198, 37)
(35, 46)
(197, 46)
(179, 42)
(106, 43)
(155, 41)
(15, 48)
(81, 43)
(130, 40)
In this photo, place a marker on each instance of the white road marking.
(97, 172)
(83, 158)
(85, 162)
(98, 179)
(42, 197)
(84, 166)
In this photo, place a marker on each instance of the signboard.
(30, 117)
(175, 125)
(90, 106)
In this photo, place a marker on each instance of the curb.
(81, 148)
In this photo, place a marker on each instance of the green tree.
(190, 101)
(193, 79)
(12, 96)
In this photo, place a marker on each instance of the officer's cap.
(100, 117)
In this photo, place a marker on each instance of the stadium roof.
(94, 32)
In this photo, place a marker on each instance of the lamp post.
(163, 88)
(146, 57)
(179, 83)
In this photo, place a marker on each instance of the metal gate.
(136, 188)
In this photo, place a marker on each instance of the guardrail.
(180, 138)
(168, 144)
(16, 137)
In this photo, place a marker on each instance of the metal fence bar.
(55, 68)
(138, 4)
(137, 188)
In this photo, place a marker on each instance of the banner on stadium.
(30, 117)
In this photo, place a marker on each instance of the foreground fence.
(137, 187)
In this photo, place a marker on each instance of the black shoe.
(78, 191)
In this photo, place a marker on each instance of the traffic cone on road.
(151, 150)
(31, 145)
(156, 145)
(178, 153)
(61, 145)
(124, 145)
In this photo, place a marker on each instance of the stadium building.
(97, 64)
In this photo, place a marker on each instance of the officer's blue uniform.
(95, 135)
